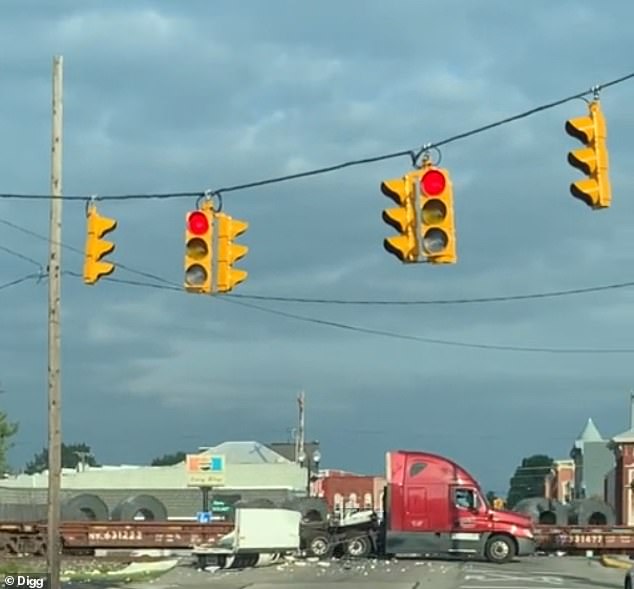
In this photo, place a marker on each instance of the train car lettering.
(116, 535)
(587, 539)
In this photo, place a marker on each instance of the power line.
(21, 280)
(16, 254)
(273, 298)
(37, 235)
(166, 284)
(76, 250)
(414, 154)
(396, 335)
(172, 286)
(427, 340)
(530, 112)
(460, 301)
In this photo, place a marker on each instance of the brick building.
(345, 492)
(620, 483)
(560, 482)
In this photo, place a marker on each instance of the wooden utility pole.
(54, 340)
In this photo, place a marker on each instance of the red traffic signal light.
(433, 183)
(197, 223)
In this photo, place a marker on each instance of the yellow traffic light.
(198, 250)
(498, 503)
(438, 232)
(592, 159)
(402, 218)
(97, 247)
(229, 252)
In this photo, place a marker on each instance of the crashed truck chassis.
(359, 537)
(318, 539)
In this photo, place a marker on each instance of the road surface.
(529, 573)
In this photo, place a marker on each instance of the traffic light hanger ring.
(91, 203)
(207, 197)
(596, 92)
(424, 152)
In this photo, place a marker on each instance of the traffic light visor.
(433, 183)
(197, 223)
(581, 128)
(103, 226)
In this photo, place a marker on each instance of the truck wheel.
(360, 547)
(320, 546)
(499, 549)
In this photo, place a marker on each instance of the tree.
(72, 455)
(529, 478)
(8, 429)
(490, 496)
(169, 459)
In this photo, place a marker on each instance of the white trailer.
(260, 536)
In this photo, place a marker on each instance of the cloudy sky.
(166, 97)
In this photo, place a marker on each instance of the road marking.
(492, 577)
(496, 569)
(508, 586)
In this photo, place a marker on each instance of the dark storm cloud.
(168, 97)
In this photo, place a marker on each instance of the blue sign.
(204, 517)
(216, 464)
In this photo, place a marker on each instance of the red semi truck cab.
(434, 506)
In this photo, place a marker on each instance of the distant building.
(346, 492)
(620, 483)
(288, 450)
(560, 482)
(251, 470)
(593, 460)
